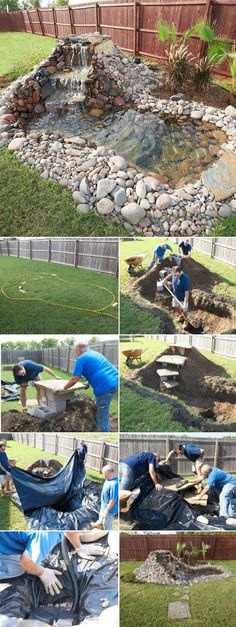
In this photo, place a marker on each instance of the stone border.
(104, 182)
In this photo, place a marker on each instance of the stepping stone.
(220, 179)
(176, 594)
(185, 597)
(164, 372)
(178, 610)
(171, 384)
(176, 360)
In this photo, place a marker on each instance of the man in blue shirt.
(185, 248)
(101, 375)
(109, 498)
(180, 289)
(5, 470)
(134, 466)
(25, 373)
(223, 482)
(158, 254)
(192, 452)
(23, 551)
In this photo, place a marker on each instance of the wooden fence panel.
(83, 19)
(13, 21)
(138, 546)
(62, 357)
(63, 22)
(218, 452)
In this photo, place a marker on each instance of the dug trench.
(201, 384)
(208, 312)
(80, 416)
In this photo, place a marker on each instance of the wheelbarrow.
(135, 262)
(132, 354)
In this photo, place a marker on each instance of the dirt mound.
(195, 368)
(80, 416)
(44, 467)
(200, 277)
(211, 303)
(222, 389)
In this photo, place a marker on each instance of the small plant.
(204, 550)
(177, 65)
(180, 546)
(202, 74)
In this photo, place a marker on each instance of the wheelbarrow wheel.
(128, 362)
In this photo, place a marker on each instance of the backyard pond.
(175, 151)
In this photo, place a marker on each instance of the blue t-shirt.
(186, 248)
(139, 463)
(160, 252)
(5, 463)
(191, 451)
(218, 478)
(98, 371)
(180, 285)
(110, 491)
(32, 371)
(37, 543)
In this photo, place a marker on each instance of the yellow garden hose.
(98, 311)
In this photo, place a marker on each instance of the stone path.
(180, 609)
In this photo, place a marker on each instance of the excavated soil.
(80, 416)
(202, 384)
(208, 312)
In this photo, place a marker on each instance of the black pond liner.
(64, 501)
(26, 597)
(153, 510)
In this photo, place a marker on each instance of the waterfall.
(85, 55)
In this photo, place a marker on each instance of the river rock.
(133, 213)
(197, 114)
(225, 211)
(120, 196)
(163, 202)
(39, 108)
(84, 187)
(230, 111)
(17, 143)
(220, 179)
(105, 187)
(119, 162)
(83, 208)
(78, 197)
(105, 206)
(141, 189)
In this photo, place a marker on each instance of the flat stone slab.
(220, 179)
(56, 386)
(178, 610)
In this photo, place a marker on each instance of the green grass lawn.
(212, 603)
(23, 49)
(30, 206)
(64, 303)
(135, 317)
(147, 415)
(31, 394)
(11, 517)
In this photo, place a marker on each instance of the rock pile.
(164, 568)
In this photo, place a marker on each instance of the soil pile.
(80, 416)
(202, 384)
(163, 568)
(200, 277)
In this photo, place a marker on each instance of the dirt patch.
(202, 384)
(80, 417)
(208, 312)
(211, 95)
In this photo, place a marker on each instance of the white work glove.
(89, 551)
(185, 307)
(50, 582)
(158, 487)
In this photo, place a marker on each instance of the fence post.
(30, 22)
(97, 16)
(8, 249)
(68, 359)
(31, 248)
(55, 21)
(56, 444)
(71, 20)
(212, 343)
(135, 27)
(76, 251)
(40, 21)
(102, 455)
(18, 248)
(216, 452)
(49, 250)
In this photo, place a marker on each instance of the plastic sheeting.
(153, 510)
(9, 391)
(64, 501)
(97, 580)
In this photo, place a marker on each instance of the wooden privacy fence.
(218, 452)
(221, 248)
(99, 452)
(100, 255)
(224, 345)
(138, 546)
(131, 24)
(62, 357)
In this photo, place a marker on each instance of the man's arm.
(154, 477)
(170, 454)
(203, 492)
(111, 504)
(71, 382)
(27, 563)
(52, 374)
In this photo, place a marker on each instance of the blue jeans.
(126, 477)
(10, 566)
(108, 520)
(226, 499)
(154, 260)
(103, 402)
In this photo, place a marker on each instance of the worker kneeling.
(222, 481)
(23, 551)
(134, 466)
